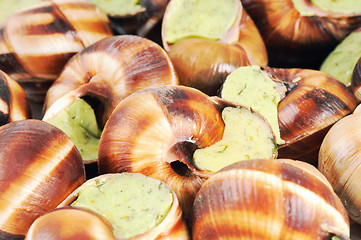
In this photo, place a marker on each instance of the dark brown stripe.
(4, 96)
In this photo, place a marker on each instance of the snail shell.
(156, 132)
(70, 223)
(314, 102)
(339, 160)
(295, 39)
(356, 81)
(53, 32)
(172, 226)
(268, 199)
(40, 167)
(14, 104)
(110, 70)
(204, 63)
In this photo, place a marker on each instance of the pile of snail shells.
(344, 105)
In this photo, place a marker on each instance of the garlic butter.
(210, 19)
(246, 136)
(131, 202)
(119, 7)
(329, 6)
(341, 62)
(78, 121)
(9, 7)
(250, 86)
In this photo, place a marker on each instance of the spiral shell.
(14, 104)
(268, 199)
(339, 160)
(70, 223)
(204, 63)
(356, 81)
(294, 38)
(172, 226)
(313, 103)
(110, 70)
(40, 167)
(53, 32)
(156, 132)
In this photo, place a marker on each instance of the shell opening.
(181, 168)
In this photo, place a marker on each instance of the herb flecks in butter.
(119, 7)
(132, 203)
(209, 19)
(246, 136)
(78, 121)
(250, 86)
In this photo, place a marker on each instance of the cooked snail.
(339, 160)
(14, 104)
(300, 104)
(40, 167)
(70, 223)
(207, 40)
(181, 136)
(36, 42)
(301, 33)
(269, 199)
(136, 206)
(96, 79)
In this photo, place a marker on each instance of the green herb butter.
(330, 6)
(252, 87)
(78, 121)
(131, 202)
(119, 7)
(210, 19)
(246, 136)
(8, 7)
(341, 62)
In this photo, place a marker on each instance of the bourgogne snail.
(301, 33)
(36, 42)
(269, 199)
(99, 77)
(40, 167)
(340, 161)
(136, 206)
(300, 104)
(207, 40)
(14, 104)
(181, 136)
(70, 223)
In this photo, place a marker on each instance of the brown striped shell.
(340, 161)
(356, 80)
(295, 40)
(70, 223)
(268, 199)
(40, 167)
(110, 70)
(204, 64)
(173, 226)
(314, 102)
(156, 131)
(35, 43)
(14, 104)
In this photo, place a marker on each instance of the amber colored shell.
(356, 80)
(172, 227)
(293, 40)
(14, 104)
(314, 102)
(340, 161)
(35, 43)
(40, 167)
(199, 60)
(110, 70)
(70, 223)
(268, 199)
